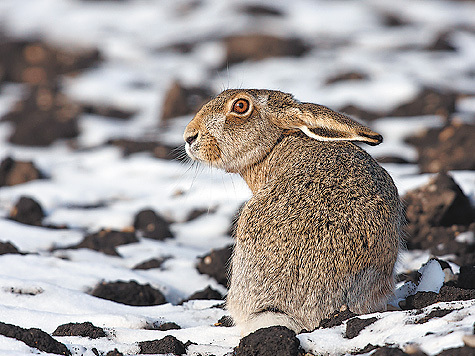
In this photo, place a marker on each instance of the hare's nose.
(191, 138)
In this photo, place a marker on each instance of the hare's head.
(240, 127)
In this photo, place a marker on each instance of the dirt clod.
(336, 318)
(8, 247)
(86, 329)
(271, 341)
(27, 211)
(14, 172)
(168, 345)
(215, 264)
(151, 225)
(106, 241)
(355, 325)
(129, 293)
(206, 294)
(34, 338)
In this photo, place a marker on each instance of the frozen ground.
(44, 289)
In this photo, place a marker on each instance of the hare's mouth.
(190, 153)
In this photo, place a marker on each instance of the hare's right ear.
(324, 124)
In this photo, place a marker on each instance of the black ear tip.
(373, 140)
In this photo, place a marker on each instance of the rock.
(34, 338)
(151, 225)
(389, 351)
(256, 47)
(86, 329)
(271, 341)
(215, 264)
(27, 211)
(446, 148)
(168, 345)
(17, 172)
(181, 100)
(355, 325)
(129, 293)
(8, 248)
(106, 241)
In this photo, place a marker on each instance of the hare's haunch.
(323, 227)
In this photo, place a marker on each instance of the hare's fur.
(322, 229)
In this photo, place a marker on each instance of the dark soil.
(108, 111)
(86, 329)
(152, 263)
(114, 352)
(442, 43)
(446, 294)
(129, 293)
(345, 77)
(206, 294)
(151, 225)
(225, 321)
(429, 101)
(256, 47)
(271, 341)
(14, 172)
(34, 62)
(169, 326)
(261, 10)
(181, 100)
(27, 211)
(8, 247)
(44, 106)
(365, 350)
(168, 345)
(459, 351)
(437, 212)
(156, 148)
(447, 148)
(466, 277)
(355, 325)
(389, 351)
(215, 264)
(106, 241)
(34, 338)
(336, 318)
(436, 313)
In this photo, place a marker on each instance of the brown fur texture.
(322, 229)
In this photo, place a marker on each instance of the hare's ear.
(324, 124)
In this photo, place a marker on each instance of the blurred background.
(132, 72)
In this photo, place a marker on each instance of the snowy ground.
(44, 289)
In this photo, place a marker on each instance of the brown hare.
(323, 227)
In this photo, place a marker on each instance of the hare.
(323, 227)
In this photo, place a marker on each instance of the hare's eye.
(240, 106)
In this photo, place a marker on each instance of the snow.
(45, 289)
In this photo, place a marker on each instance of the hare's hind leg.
(268, 318)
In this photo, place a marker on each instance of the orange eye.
(240, 106)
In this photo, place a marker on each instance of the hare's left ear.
(324, 124)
